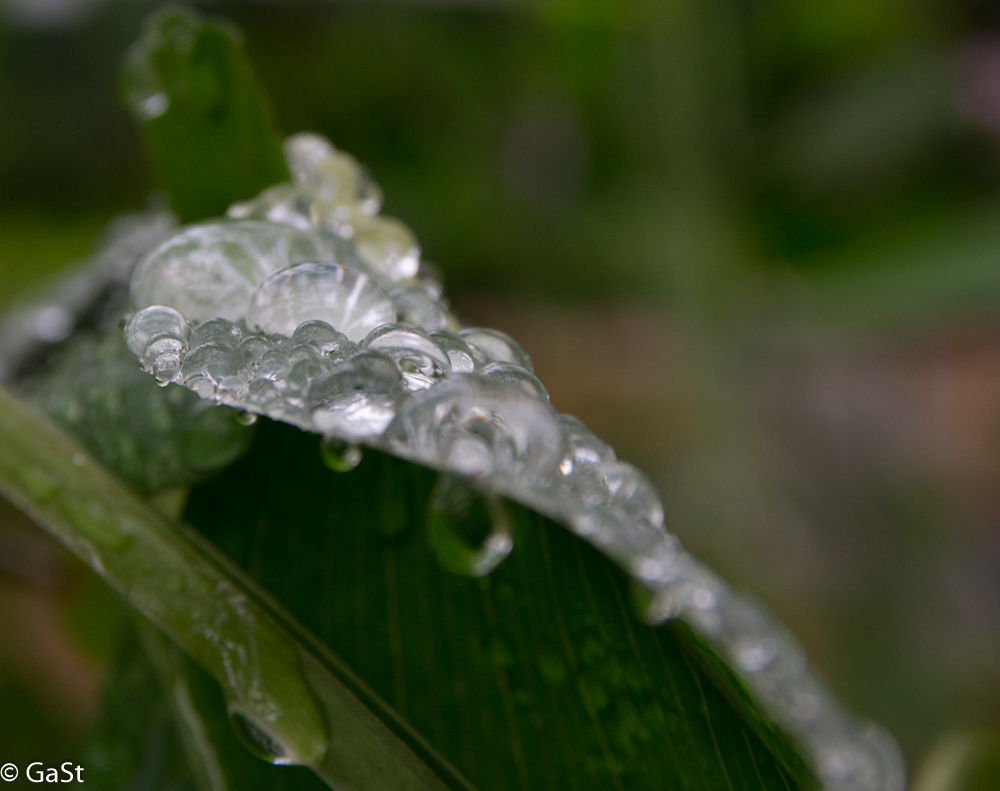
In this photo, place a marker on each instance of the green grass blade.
(207, 126)
(280, 680)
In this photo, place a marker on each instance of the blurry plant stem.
(271, 672)
(701, 140)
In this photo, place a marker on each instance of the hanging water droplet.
(342, 297)
(256, 739)
(340, 456)
(246, 418)
(469, 532)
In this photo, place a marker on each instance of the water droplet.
(162, 356)
(584, 448)
(257, 740)
(357, 399)
(755, 655)
(52, 323)
(416, 308)
(210, 269)
(334, 177)
(246, 418)
(340, 456)
(215, 330)
(496, 346)
(342, 297)
(213, 360)
(154, 320)
(154, 106)
(388, 246)
(463, 357)
(282, 203)
(253, 349)
(273, 365)
(470, 533)
(620, 490)
(324, 338)
(479, 427)
(420, 359)
(518, 376)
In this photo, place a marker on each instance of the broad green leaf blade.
(277, 679)
(536, 676)
(208, 128)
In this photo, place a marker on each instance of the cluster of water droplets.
(307, 306)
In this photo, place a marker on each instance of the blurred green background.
(754, 245)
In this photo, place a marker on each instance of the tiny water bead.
(308, 307)
(342, 297)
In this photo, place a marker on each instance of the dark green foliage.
(537, 676)
(136, 744)
(208, 129)
(153, 437)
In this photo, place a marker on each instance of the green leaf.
(135, 742)
(286, 688)
(538, 675)
(207, 127)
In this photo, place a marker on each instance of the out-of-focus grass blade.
(282, 688)
(208, 128)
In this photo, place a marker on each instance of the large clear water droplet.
(470, 533)
(342, 297)
(209, 270)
